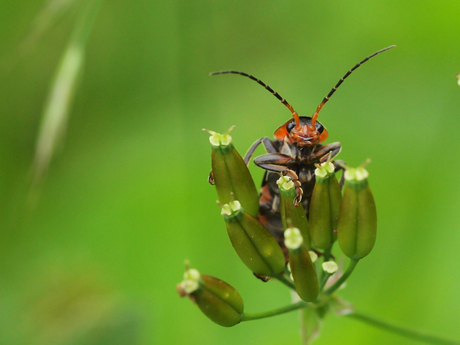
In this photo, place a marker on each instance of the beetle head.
(302, 131)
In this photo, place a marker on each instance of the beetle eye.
(290, 126)
(319, 127)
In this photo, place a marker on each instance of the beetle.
(295, 151)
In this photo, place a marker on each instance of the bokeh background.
(91, 251)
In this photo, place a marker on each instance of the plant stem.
(326, 257)
(323, 281)
(282, 278)
(327, 254)
(278, 311)
(342, 279)
(405, 332)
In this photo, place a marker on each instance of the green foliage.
(127, 189)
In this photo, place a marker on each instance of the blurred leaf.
(68, 301)
(339, 306)
(310, 325)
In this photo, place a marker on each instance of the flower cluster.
(343, 212)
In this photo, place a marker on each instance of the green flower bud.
(254, 244)
(231, 175)
(289, 210)
(302, 268)
(357, 226)
(324, 207)
(218, 300)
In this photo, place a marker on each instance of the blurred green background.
(91, 253)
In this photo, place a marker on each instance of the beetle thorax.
(293, 150)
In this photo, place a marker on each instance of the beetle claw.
(211, 178)
(298, 198)
(298, 188)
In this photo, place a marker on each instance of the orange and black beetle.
(294, 152)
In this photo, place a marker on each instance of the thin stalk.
(326, 257)
(342, 279)
(278, 311)
(403, 331)
(286, 281)
(327, 253)
(324, 278)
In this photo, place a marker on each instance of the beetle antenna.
(315, 115)
(273, 92)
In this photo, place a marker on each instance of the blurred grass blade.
(56, 110)
(52, 12)
(47, 19)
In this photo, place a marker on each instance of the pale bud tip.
(313, 256)
(235, 205)
(191, 281)
(285, 182)
(324, 169)
(226, 210)
(225, 139)
(217, 139)
(356, 174)
(292, 238)
(330, 267)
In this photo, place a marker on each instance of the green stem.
(326, 257)
(342, 279)
(324, 279)
(405, 332)
(278, 311)
(282, 278)
(327, 253)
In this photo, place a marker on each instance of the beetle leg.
(251, 150)
(340, 165)
(277, 159)
(268, 145)
(297, 184)
(279, 162)
(211, 178)
(332, 149)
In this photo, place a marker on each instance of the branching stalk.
(403, 331)
(286, 281)
(343, 278)
(278, 311)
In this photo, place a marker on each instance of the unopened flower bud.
(324, 206)
(218, 300)
(330, 267)
(295, 213)
(293, 238)
(253, 243)
(313, 256)
(302, 268)
(357, 228)
(231, 175)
